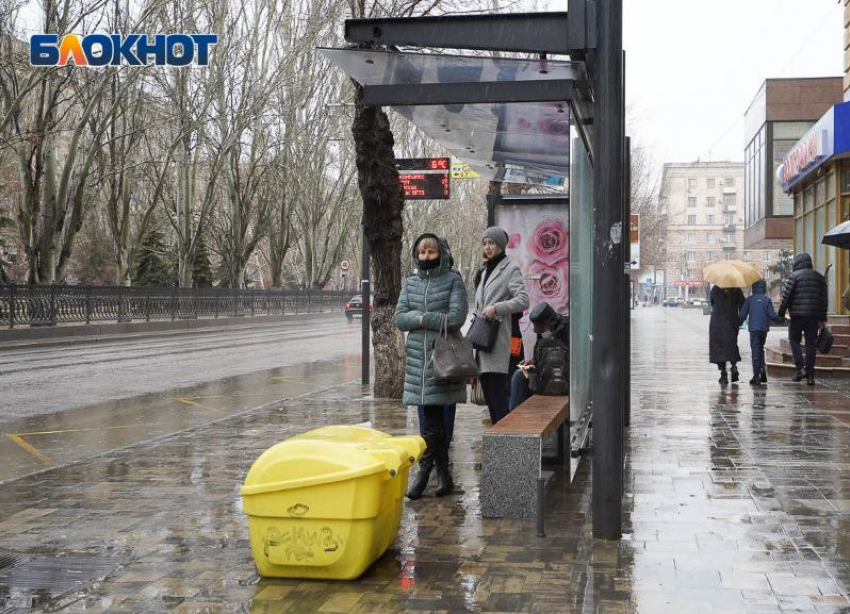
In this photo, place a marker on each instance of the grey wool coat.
(430, 295)
(504, 288)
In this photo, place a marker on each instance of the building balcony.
(729, 248)
(730, 227)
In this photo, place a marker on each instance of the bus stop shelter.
(506, 118)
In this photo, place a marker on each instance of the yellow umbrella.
(731, 274)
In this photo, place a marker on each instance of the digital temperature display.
(425, 178)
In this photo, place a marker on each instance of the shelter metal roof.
(507, 134)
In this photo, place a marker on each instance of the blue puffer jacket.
(429, 295)
(759, 309)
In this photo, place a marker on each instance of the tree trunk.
(383, 203)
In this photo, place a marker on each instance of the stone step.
(828, 360)
(838, 349)
(783, 371)
(839, 329)
(841, 339)
(834, 319)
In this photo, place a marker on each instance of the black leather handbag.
(453, 358)
(825, 340)
(483, 333)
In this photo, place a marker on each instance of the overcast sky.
(694, 66)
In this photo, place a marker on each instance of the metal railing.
(51, 305)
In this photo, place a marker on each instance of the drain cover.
(51, 575)
(10, 559)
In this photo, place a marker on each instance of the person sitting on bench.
(548, 324)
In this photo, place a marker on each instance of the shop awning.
(509, 119)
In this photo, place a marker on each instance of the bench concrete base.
(510, 466)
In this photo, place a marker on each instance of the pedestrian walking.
(759, 310)
(805, 297)
(499, 293)
(433, 296)
(723, 330)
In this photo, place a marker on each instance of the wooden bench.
(512, 477)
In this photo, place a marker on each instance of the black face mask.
(428, 265)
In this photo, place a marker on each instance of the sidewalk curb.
(55, 338)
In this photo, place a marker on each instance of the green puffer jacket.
(430, 294)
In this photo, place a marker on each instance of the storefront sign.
(828, 137)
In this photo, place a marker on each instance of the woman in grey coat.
(432, 295)
(499, 292)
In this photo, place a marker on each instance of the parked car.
(696, 302)
(355, 306)
(671, 301)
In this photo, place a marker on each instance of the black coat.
(805, 294)
(723, 328)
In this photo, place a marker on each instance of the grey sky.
(694, 66)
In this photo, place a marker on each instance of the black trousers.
(757, 340)
(493, 385)
(796, 329)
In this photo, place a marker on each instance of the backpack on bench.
(552, 359)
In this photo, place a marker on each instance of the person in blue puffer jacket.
(433, 293)
(760, 311)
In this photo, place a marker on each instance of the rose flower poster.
(539, 242)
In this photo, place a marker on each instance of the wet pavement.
(737, 501)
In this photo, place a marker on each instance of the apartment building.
(705, 223)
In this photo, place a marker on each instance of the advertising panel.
(539, 242)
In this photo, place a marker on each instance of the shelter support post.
(366, 302)
(608, 305)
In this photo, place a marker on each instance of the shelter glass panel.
(518, 142)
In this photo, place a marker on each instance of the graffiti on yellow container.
(300, 544)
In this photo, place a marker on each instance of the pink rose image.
(550, 283)
(514, 240)
(549, 242)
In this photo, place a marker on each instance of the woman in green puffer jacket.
(434, 292)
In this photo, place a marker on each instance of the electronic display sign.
(425, 178)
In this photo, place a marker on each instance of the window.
(689, 273)
(728, 219)
(709, 201)
(709, 183)
(729, 254)
(692, 201)
(692, 184)
(692, 220)
(709, 237)
(729, 182)
(766, 256)
(709, 219)
(709, 256)
(691, 256)
(729, 201)
(691, 237)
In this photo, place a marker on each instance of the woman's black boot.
(433, 434)
(445, 483)
(417, 488)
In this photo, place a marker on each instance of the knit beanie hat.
(498, 235)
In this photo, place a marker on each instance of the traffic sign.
(345, 265)
(463, 171)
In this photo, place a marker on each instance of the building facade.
(703, 202)
(782, 112)
(816, 176)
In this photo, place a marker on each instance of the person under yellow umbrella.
(726, 300)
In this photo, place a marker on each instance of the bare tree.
(47, 121)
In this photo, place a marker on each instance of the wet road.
(51, 380)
